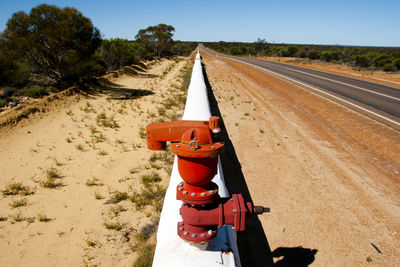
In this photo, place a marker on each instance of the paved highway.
(378, 101)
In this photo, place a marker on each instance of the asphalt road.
(378, 101)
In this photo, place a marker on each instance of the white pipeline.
(171, 250)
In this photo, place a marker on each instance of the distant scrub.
(35, 91)
(373, 58)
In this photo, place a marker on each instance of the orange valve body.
(192, 142)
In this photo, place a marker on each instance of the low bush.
(17, 189)
(3, 103)
(35, 91)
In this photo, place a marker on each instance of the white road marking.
(354, 86)
(321, 91)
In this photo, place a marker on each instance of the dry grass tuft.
(53, 173)
(151, 178)
(17, 189)
(103, 120)
(98, 196)
(43, 218)
(117, 197)
(19, 203)
(91, 243)
(94, 182)
(165, 156)
(20, 218)
(142, 132)
(151, 196)
(102, 152)
(116, 210)
(80, 147)
(117, 226)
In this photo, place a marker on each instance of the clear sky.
(344, 22)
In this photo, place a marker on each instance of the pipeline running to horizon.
(197, 207)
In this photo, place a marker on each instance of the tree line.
(371, 58)
(60, 47)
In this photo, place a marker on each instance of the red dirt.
(330, 175)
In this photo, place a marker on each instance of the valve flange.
(196, 195)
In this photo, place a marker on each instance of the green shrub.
(3, 103)
(362, 61)
(313, 54)
(381, 60)
(77, 70)
(388, 67)
(118, 53)
(35, 91)
(12, 72)
(396, 64)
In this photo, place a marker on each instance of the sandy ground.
(329, 175)
(391, 79)
(93, 149)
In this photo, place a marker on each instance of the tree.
(362, 61)
(396, 64)
(157, 39)
(183, 48)
(50, 39)
(313, 54)
(12, 72)
(259, 45)
(292, 50)
(381, 60)
(326, 56)
(235, 50)
(118, 53)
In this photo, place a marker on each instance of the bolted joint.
(226, 211)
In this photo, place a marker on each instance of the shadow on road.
(253, 245)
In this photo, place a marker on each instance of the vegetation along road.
(381, 102)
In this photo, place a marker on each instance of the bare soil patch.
(330, 175)
(78, 184)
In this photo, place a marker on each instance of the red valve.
(197, 155)
(203, 210)
(199, 223)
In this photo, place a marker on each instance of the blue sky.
(344, 22)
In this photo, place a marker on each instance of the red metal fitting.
(197, 153)
(200, 222)
(203, 210)
(196, 195)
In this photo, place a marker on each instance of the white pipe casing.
(171, 250)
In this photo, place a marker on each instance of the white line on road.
(354, 86)
(321, 91)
